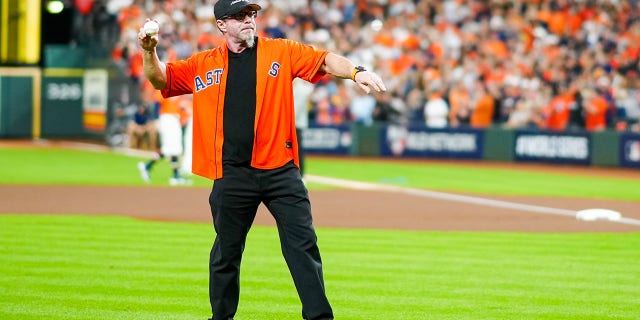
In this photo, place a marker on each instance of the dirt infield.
(335, 208)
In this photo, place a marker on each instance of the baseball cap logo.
(225, 8)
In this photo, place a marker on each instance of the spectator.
(460, 105)
(415, 107)
(482, 112)
(520, 116)
(508, 99)
(557, 112)
(576, 111)
(504, 45)
(362, 106)
(596, 110)
(388, 109)
(436, 110)
(627, 97)
(141, 129)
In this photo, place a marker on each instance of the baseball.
(151, 28)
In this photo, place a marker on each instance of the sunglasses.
(240, 16)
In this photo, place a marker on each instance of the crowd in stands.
(546, 64)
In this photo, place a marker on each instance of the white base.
(598, 214)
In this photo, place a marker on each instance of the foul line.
(376, 186)
(453, 197)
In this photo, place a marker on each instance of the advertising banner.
(630, 150)
(95, 99)
(327, 140)
(553, 147)
(422, 141)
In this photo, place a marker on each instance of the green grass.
(74, 167)
(89, 267)
(484, 180)
(77, 267)
(77, 167)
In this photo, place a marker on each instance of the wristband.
(355, 71)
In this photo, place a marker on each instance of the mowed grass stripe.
(472, 261)
(476, 179)
(454, 243)
(135, 269)
(69, 268)
(61, 253)
(132, 286)
(95, 299)
(69, 223)
(77, 167)
(65, 311)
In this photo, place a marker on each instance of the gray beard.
(250, 42)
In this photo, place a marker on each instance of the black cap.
(224, 8)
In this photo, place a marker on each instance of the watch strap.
(355, 71)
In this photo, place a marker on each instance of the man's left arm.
(342, 67)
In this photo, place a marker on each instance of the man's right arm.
(154, 69)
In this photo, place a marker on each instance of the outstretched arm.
(154, 69)
(342, 67)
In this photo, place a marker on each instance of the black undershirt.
(240, 107)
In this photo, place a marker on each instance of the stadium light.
(55, 6)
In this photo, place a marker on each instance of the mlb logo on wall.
(633, 151)
(630, 156)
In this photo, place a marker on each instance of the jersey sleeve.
(180, 75)
(306, 61)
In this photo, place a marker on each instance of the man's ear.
(221, 26)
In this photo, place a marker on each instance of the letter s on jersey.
(275, 67)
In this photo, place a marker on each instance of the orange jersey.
(558, 111)
(597, 120)
(482, 114)
(205, 75)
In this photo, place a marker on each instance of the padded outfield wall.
(75, 103)
(605, 148)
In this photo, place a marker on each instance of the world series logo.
(632, 151)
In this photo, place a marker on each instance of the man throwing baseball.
(244, 138)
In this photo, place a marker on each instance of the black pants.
(234, 202)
